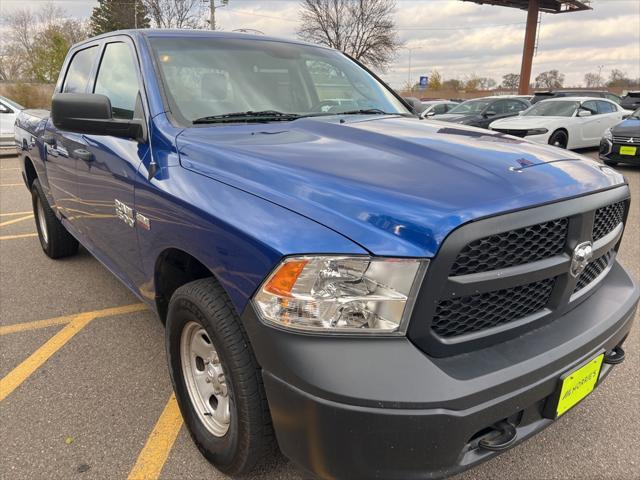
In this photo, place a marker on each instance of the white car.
(569, 122)
(8, 113)
(437, 107)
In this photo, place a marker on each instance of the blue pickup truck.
(375, 294)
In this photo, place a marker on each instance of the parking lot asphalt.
(85, 392)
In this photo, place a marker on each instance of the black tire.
(55, 240)
(559, 139)
(250, 440)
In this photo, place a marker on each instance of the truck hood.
(394, 185)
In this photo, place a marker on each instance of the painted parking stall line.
(15, 237)
(154, 454)
(16, 220)
(48, 322)
(22, 372)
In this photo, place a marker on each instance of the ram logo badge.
(581, 256)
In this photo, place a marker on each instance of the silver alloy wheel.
(205, 380)
(42, 222)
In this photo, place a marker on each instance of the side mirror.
(584, 113)
(490, 113)
(431, 113)
(90, 113)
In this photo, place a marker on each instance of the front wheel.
(559, 139)
(55, 240)
(216, 379)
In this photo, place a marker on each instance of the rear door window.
(79, 71)
(605, 107)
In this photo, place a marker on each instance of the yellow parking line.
(9, 168)
(13, 214)
(16, 220)
(13, 237)
(48, 322)
(18, 375)
(11, 184)
(155, 452)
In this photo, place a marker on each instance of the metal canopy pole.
(529, 46)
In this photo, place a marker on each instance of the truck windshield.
(222, 79)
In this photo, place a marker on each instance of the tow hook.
(503, 436)
(615, 356)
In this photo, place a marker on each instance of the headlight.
(537, 131)
(341, 294)
(608, 135)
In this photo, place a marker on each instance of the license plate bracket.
(574, 386)
(628, 150)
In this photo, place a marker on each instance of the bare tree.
(592, 80)
(510, 81)
(363, 29)
(550, 79)
(174, 13)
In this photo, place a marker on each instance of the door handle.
(82, 154)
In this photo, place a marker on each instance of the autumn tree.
(618, 78)
(36, 43)
(363, 29)
(453, 84)
(510, 81)
(112, 15)
(549, 79)
(435, 80)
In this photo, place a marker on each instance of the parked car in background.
(631, 101)
(574, 122)
(9, 111)
(437, 107)
(417, 105)
(621, 143)
(539, 96)
(480, 112)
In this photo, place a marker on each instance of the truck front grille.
(607, 218)
(593, 271)
(515, 247)
(478, 312)
(500, 276)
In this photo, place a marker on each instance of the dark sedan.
(631, 100)
(621, 144)
(482, 111)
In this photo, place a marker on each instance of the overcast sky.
(460, 38)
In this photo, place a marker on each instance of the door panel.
(60, 146)
(591, 127)
(108, 169)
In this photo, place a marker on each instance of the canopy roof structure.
(547, 6)
(534, 7)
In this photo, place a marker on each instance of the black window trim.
(70, 56)
(101, 43)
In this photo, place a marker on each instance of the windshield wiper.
(365, 111)
(250, 116)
